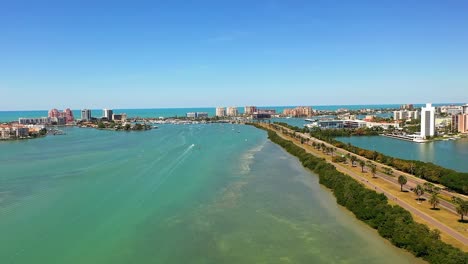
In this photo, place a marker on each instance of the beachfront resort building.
(57, 116)
(232, 111)
(300, 111)
(220, 111)
(86, 115)
(427, 121)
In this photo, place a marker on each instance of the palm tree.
(461, 206)
(362, 164)
(419, 191)
(373, 168)
(402, 180)
(353, 159)
(428, 187)
(434, 200)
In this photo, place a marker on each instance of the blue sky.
(156, 54)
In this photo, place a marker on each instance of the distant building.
(462, 125)
(107, 113)
(427, 121)
(35, 121)
(300, 111)
(191, 115)
(67, 115)
(21, 131)
(249, 110)
(197, 115)
(450, 109)
(263, 113)
(202, 115)
(407, 107)
(54, 113)
(405, 115)
(464, 109)
(86, 115)
(119, 117)
(460, 122)
(266, 111)
(5, 131)
(58, 120)
(220, 111)
(232, 111)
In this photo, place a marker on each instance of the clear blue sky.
(155, 54)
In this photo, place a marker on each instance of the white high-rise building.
(428, 121)
(220, 111)
(107, 113)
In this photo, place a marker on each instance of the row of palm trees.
(325, 149)
(460, 205)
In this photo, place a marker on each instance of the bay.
(451, 154)
(178, 194)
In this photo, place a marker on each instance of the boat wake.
(247, 159)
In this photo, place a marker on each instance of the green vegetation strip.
(457, 181)
(392, 222)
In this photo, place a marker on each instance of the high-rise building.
(220, 111)
(85, 114)
(249, 110)
(460, 122)
(54, 113)
(232, 111)
(465, 109)
(107, 113)
(428, 121)
(69, 115)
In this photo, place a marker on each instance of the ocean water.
(178, 194)
(451, 153)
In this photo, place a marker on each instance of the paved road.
(403, 204)
(412, 180)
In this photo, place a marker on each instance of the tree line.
(454, 180)
(392, 222)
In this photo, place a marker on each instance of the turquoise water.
(178, 194)
(451, 153)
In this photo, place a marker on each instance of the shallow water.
(178, 194)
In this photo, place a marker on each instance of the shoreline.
(299, 146)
